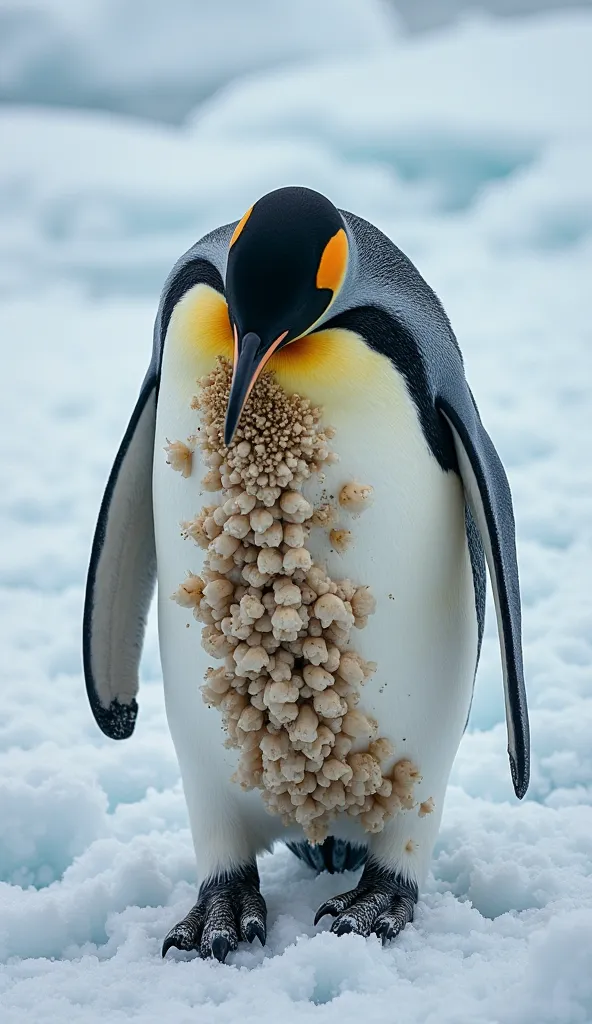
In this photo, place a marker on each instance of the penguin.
(314, 316)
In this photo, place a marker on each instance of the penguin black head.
(286, 263)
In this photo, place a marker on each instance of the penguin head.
(287, 260)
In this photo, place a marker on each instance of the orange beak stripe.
(265, 360)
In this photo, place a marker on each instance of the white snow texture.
(472, 149)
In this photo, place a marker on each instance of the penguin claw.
(252, 930)
(220, 948)
(389, 925)
(335, 906)
(381, 904)
(229, 908)
(323, 910)
(172, 940)
(186, 934)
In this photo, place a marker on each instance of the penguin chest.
(329, 575)
(397, 527)
(396, 524)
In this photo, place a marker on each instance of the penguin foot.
(382, 903)
(230, 909)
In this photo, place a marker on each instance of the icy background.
(472, 148)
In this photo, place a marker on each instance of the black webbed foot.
(230, 909)
(382, 903)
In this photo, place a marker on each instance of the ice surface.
(473, 150)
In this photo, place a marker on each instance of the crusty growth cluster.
(179, 456)
(290, 683)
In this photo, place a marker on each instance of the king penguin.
(346, 736)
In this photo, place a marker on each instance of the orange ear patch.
(333, 263)
(239, 227)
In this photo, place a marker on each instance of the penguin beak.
(250, 356)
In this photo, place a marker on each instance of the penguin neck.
(333, 367)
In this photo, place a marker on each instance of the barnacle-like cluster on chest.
(290, 683)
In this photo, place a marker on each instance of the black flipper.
(121, 576)
(488, 495)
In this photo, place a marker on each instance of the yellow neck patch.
(331, 367)
(200, 331)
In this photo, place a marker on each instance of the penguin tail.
(334, 855)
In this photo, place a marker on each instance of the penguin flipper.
(121, 575)
(488, 495)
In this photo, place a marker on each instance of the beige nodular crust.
(179, 456)
(290, 683)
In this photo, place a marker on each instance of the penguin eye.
(333, 263)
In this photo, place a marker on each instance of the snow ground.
(473, 149)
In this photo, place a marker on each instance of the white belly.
(410, 547)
